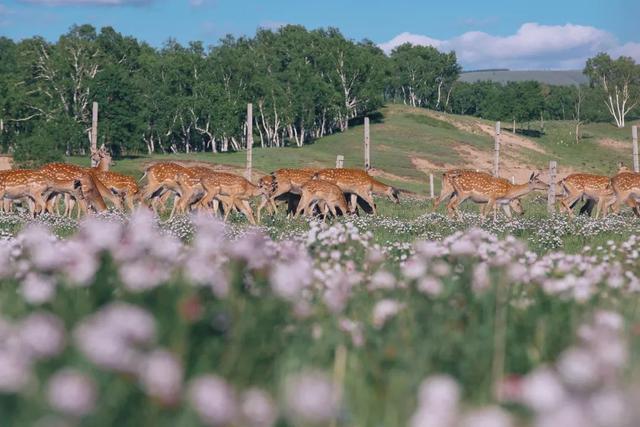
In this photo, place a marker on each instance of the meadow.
(405, 318)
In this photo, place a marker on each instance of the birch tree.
(619, 80)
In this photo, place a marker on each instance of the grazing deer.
(484, 188)
(590, 186)
(191, 190)
(626, 188)
(448, 191)
(124, 186)
(76, 180)
(161, 177)
(281, 182)
(359, 184)
(328, 195)
(237, 189)
(25, 184)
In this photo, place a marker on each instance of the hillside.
(409, 143)
(552, 77)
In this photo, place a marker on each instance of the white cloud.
(533, 46)
(89, 2)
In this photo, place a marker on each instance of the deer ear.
(533, 175)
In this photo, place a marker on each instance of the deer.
(626, 188)
(359, 184)
(122, 185)
(25, 184)
(72, 179)
(160, 179)
(448, 191)
(587, 208)
(235, 191)
(590, 186)
(191, 190)
(484, 188)
(280, 182)
(328, 195)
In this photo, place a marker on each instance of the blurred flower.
(487, 417)
(382, 280)
(384, 310)
(42, 334)
(15, 372)
(414, 268)
(288, 279)
(71, 393)
(439, 391)
(578, 368)
(257, 409)
(101, 234)
(109, 337)
(430, 285)
(213, 399)
(37, 289)
(541, 390)
(161, 376)
(480, 280)
(310, 398)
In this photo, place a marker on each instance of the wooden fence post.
(367, 145)
(634, 136)
(94, 131)
(339, 161)
(551, 197)
(431, 189)
(249, 167)
(496, 160)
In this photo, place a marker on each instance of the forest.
(303, 84)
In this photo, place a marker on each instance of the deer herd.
(305, 191)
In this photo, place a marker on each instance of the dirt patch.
(614, 144)
(476, 127)
(6, 163)
(510, 139)
(427, 166)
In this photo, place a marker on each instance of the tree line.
(303, 85)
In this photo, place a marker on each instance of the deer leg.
(302, 205)
(248, 212)
(452, 206)
(568, 201)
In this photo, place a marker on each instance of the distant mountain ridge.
(551, 77)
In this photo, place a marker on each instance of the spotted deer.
(448, 190)
(323, 193)
(236, 188)
(626, 188)
(589, 186)
(484, 188)
(191, 190)
(124, 186)
(359, 184)
(25, 184)
(281, 182)
(161, 177)
(76, 181)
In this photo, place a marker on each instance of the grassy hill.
(409, 143)
(552, 77)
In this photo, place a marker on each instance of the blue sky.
(518, 35)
